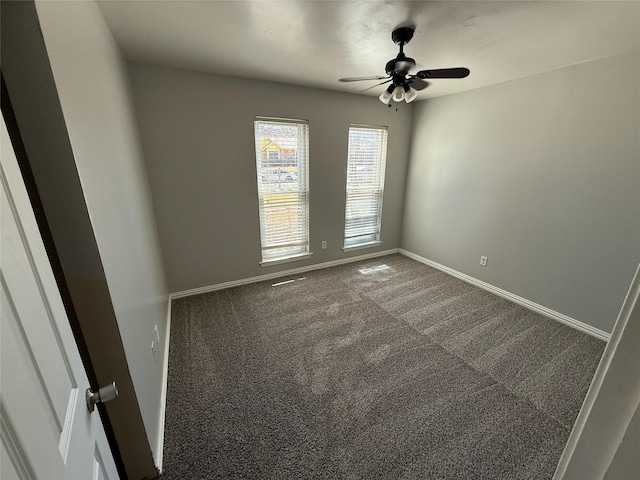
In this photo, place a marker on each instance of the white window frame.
(364, 191)
(275, 247)
(271, 157)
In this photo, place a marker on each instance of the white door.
(47, 431)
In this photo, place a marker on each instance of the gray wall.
(197, 137)
(540, 174)
(92, 84)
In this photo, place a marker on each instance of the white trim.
(626, 311)
(292, 258)
(163, 392)
(281, 120)
(360, 246)
(14, 448)
(371, 127)
(284, 273)
(547, 312)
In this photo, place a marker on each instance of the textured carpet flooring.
(382, 369)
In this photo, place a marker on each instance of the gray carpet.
(382, 369)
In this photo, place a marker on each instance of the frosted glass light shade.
(411, 95)
(385, 97)
(398, 94)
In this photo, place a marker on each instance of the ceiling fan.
(405, 85)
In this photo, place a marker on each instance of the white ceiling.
(313, 43)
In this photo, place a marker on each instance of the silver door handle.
(106, 393)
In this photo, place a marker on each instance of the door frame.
(35, 121)
(611, 401)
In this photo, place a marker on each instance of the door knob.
(106, 393)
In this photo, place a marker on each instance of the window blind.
(366, 161)
(282, 164)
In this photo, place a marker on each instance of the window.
(282, 163)
(365, 184)
(274, 155)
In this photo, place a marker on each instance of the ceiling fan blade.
(444, 73)
(358, 79)
(417, 84)
(378, 84)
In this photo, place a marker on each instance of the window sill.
(362, 245)
(292, 258)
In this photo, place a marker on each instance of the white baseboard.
(547, 312)
(163, 398)
(283, 273)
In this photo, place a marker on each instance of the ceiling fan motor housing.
(401, 64)
(402, 36)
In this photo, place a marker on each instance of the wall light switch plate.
(483, 261)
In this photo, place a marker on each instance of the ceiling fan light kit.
(405, 86)
(398, 94)
(410, 95)
(385, 97)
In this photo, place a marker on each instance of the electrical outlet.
(324, 244)
(483, 261)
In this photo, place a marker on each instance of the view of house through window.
(366, 161)
(282, 163)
